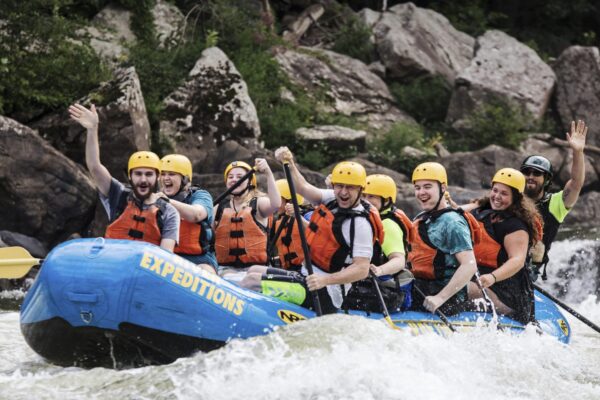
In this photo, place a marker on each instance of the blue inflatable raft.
(117, 303)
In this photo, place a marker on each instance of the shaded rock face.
(110, 30)
(211, 107)
(34, 246)
(504, 69)
(586, 211)
(413, 41)
(42, 193)
(343, 85)
(475, 170)
(333, 136)
(578, 88)
(123, 127)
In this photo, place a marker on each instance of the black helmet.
(540, 163)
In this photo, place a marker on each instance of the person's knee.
(251, 281)
(259, 269)
(207, 268)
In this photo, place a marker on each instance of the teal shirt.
(450, 234)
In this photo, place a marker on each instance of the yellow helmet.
(510, 177)
(381, 185)
(284, 191)
(177, 163)
(430, 171)
(143, 159)
(240, 164)
(349, 173)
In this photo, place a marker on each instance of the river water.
(341, 357)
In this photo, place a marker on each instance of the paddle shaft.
(305, 249)
(569, 309)
(438, 312)
(232, 188)
(384, 308)
(283, 222)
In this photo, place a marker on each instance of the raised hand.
(576, 137)
(261, 165)
(88, 118)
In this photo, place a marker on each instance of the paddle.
(305, 249)
(235, 186)
(15, 262)
(569, 309)
(271, 246)
(386, 313)
(437, 311)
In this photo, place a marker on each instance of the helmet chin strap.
(441, 197)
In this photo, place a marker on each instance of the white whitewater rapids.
(340, 357)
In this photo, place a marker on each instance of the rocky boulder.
(502, 69)
(211, 107)
(413, 41)
(586, 212)
(342, 85)
(110, 30)
(332, 136)
(43, 194)
(578, 88)
(475, 170)
(123, 128)
(31, 244)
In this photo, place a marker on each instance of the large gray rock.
(123, 128)
(333, 136)
(43, 194)
(413, 41)
(475, 170)
(110, 31)
(348, 86)
(586, 212)
(505, 69)
(31, 244)
(211, 107)
(578, 88)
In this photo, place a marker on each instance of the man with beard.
(554, 206)
(137, 213)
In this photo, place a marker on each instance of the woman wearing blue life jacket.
(510, 226)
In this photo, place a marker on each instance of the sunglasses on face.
(531, 171)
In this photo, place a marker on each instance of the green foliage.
(425, 99)
(43, 67)
(353, 40)
(161, 70)
(386, 150)
(212, 39)
(142, 21)
(497, 121)
(318, 156)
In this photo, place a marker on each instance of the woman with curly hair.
(511, 225)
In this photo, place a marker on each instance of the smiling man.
(137, 213)
(441, 255)
(554, 206)
(341, 234)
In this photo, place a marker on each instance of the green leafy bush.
(425, 99)
(43, 67)
(498, 121)
(353, 40)
(386, 150)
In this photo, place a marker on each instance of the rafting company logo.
(199, 282)
(563, 325)
(290, 317)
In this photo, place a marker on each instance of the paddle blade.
(15, 262)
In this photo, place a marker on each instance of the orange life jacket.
(289, 245)
(240, 240)
(426, 261)
(194, 237)
(133, 223)
(328, 249)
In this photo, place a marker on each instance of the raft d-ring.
(97, 246)
(86, 316)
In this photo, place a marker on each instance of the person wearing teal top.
(441, 254)
(554, 206)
